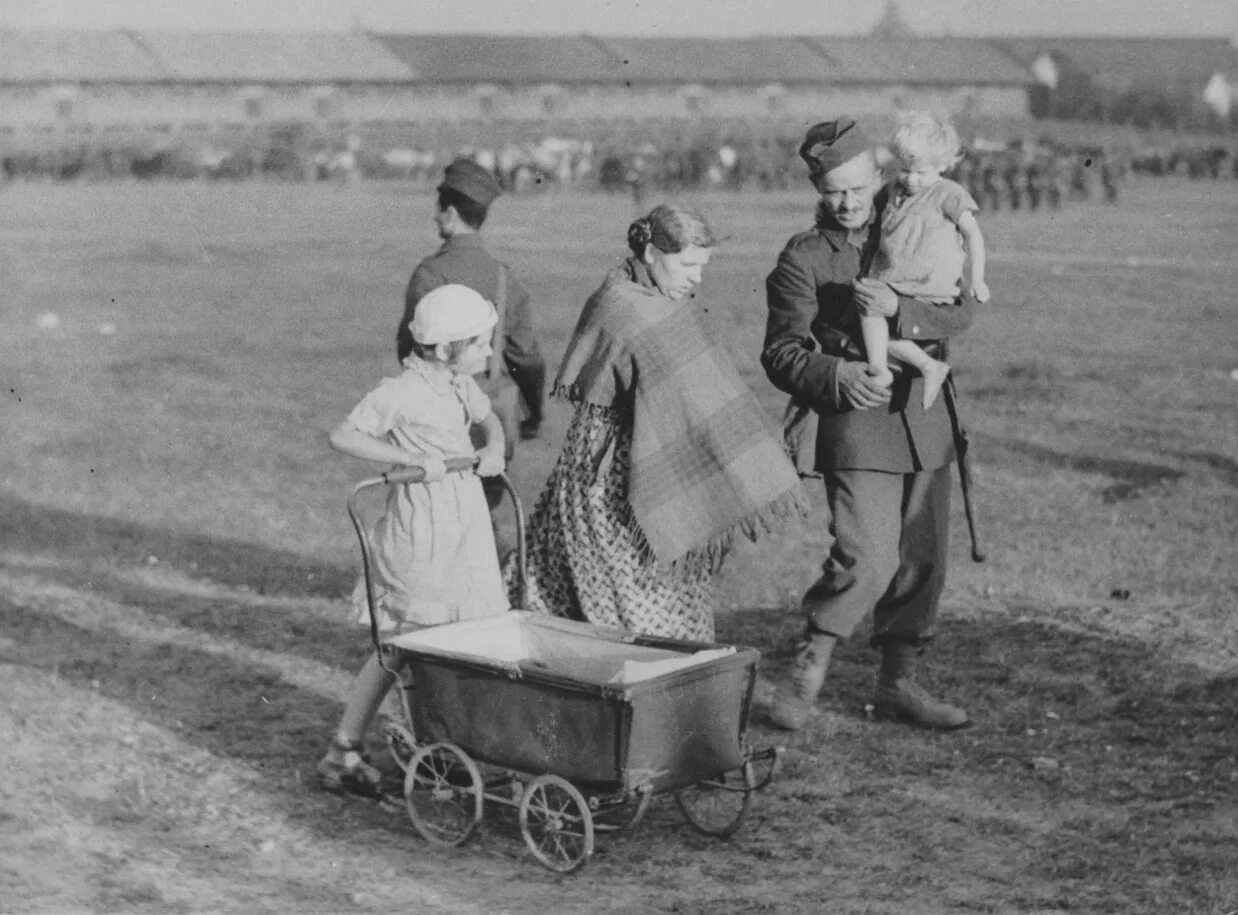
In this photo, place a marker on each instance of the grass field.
(174, 549)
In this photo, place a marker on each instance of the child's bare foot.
(935, 374)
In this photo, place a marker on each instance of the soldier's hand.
(862, 385)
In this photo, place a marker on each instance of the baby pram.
(575, 726)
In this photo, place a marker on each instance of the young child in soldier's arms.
(433, 548)
(928, 232)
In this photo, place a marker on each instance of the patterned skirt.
(584, 556)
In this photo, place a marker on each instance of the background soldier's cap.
(470, 179)
(831, 143)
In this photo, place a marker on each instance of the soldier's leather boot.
(899, 697)
(793, 702)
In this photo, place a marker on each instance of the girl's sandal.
(346, 769)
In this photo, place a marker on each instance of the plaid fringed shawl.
(706, 464)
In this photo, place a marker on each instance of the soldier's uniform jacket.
(464, 259)
(809, 294)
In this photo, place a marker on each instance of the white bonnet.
(449, 313)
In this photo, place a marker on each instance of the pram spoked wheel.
(443, 793)
(556, 823)
(717, 806)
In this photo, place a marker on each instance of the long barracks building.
(74, 84)
(78, 81)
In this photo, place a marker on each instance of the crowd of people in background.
(1013, 175)
(1029, 176)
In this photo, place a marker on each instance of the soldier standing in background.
(636, 179)
(1080, 188)
(464, 200)
(991, 195)
(1109, 177)
(1011, 175)
(1057, 176)
(1034, 174)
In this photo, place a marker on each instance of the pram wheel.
(443, 792)
(717, 806)
(556, 823)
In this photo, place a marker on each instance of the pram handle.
(416, 474)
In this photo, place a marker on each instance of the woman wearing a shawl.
(668, 455)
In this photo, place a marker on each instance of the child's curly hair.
(925, 137)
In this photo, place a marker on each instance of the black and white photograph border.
(211, 219)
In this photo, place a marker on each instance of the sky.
(645, 18)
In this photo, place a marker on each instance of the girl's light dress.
(434, 554)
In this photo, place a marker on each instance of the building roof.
(920, 61)
(1122, 62)
(266, 57)
(718, 60)
(56, 56)
(339, 57)
(502, 58)
(743, 61)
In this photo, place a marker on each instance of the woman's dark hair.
(468, 209)
(670, 227)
